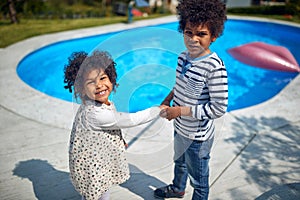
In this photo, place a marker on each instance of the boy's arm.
(173, 112)
(215, 108)
(168, 99)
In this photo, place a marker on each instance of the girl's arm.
(99, 118)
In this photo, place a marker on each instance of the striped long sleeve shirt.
(201, 84)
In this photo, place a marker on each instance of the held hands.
(173, 112)
(170, 112)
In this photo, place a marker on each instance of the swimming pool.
(146, 61)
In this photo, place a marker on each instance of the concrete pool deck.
(256, 154)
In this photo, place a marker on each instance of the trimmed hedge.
(266, 10)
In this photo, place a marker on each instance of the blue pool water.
(146, 61)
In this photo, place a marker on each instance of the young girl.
(97, 153)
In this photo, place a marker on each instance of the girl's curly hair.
(202, 12)
(80, 63)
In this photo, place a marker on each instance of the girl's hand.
(163, 111)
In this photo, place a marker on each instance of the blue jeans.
(191, 159)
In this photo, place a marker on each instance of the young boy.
(199, 96)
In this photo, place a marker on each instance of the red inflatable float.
(266, 56)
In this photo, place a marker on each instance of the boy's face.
(97, 86)
(197, 40)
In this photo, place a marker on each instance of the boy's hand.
(170, 112)
(162, 107)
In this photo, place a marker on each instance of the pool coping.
(21, 99)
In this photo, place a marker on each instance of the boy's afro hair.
(202, 12)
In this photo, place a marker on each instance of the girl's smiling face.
(197, 40)
(97, 86)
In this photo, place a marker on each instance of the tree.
(12, 12)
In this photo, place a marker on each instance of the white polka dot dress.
(97, 158)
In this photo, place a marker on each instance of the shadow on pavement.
(272, 157)
(142, 184)
(287, 191)
(49, 183)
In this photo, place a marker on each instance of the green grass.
(12, 33)
(294, 19)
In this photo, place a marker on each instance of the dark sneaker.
(168, 192)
